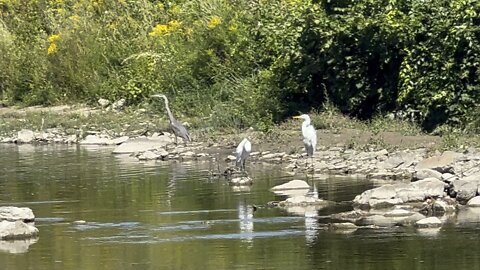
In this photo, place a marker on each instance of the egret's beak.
(297, 117)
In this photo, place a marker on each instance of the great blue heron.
(178, 129)
(309, 134)
(242, 152)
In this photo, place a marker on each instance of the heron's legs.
(306, 161)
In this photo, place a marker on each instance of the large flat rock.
(393, 194)
(142, 144)
(294, 184)
(442, 163)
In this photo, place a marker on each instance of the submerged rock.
(351, 216)
(410, 220)
(398, 213)
(241, 181)
(345, 227)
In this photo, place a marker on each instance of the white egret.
(309, 134)
(242, 152)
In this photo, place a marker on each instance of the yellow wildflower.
(174, 25)
(56, 3)
(53, 38)
(74, 18)
(233, 27)
(159, 30)
(175, 10)
(214, 21)
(160, 6)
(210, 52)
(52, 48)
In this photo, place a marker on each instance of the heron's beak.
(297, 117)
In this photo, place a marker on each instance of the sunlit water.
(170, 215)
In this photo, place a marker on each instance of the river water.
(172, 215)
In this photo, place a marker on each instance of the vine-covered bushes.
(419, 58)
(243, 63)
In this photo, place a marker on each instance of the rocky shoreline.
(423, 188)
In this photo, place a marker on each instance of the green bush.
(440, 74)
(371, 57)
(249, 63)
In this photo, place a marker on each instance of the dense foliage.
(245, 62)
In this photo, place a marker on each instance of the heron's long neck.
(306, 123)
(170, 115)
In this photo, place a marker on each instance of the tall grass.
(245, 63)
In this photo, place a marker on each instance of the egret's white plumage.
(309, 134)
(242, 152)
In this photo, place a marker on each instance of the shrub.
(249, 63)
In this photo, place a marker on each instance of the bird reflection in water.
(245, 217)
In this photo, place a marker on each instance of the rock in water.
(430, 222)
(474, 202)
(241, 181)
(294, 184)
(15, 223)
(11, 213)
(96, 140)
(16, 230)
(25, 136)
(137, 145)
